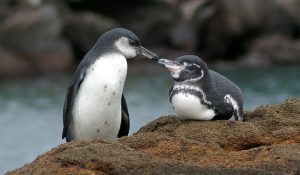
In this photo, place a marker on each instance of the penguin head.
(125, 42)
(186, 68)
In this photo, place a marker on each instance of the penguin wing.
(170, 93)
(225, 87)
(224, 111)
(124, 128)
(70, 97)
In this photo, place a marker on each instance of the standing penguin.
(95, 105)
(200, 93)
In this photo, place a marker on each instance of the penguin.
(200, 93)
(95, 105)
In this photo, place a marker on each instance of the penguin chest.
(189, 106)
(97, 108)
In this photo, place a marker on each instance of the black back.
(221, 87)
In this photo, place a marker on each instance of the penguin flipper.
(69, 101)
(125, 124)
(170, 94)
(224, 111)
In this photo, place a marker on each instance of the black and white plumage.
(95, 105)
(202, 94)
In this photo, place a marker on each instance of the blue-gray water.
(31, 110)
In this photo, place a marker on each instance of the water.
(31, 110)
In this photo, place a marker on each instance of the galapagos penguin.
(200, 93)
(95, 105)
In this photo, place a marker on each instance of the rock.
(35, 35)
(270, 50)
(4, 9)
(152, 24)
(232, 24)
(12, 64)
(291, 9)
(83, 29)
(26, 3)
(183, 36)
(267, 142)
(217, 30)
(144, 18)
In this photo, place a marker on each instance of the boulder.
(35, 35)
(270, 50)
(4, 9)
(231, 24)
(226, 30)
(84, 28)
(12, 64)
(267, 142)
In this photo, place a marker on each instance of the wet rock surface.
(267, 142)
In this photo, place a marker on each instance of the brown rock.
(267, 142)
(269, 50)
(12, 64)
(34, 35)
(83, 29)
(232, 24)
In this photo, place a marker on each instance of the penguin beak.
(172, 66)
(147, 53)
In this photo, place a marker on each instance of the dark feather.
(170, 94)
(124, 128)
(69, 101)
(223, 111)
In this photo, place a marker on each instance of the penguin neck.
(199, 88)
(104, 46)
(196, 89)
(203, 83)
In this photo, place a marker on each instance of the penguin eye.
(133, 43)
(193, 67)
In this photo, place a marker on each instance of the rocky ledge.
(267, 142)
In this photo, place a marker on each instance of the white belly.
(188, 106)
(97, 108)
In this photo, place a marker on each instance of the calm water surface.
(31, 110)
